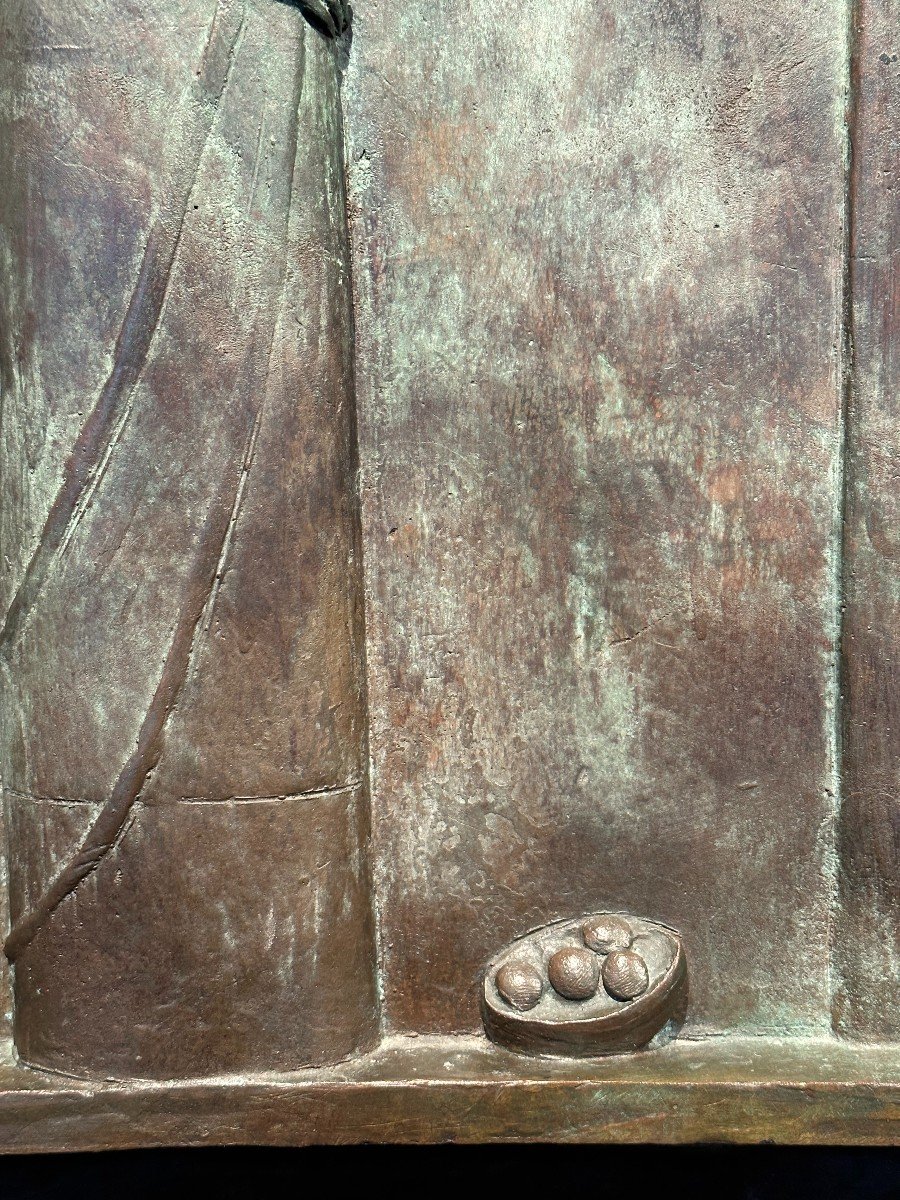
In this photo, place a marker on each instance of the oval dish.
(600, 1024)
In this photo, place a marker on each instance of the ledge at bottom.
(463, 1089)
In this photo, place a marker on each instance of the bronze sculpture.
(621, 343)
(614, 983)
(188, 833)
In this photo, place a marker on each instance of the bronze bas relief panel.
(596, 332)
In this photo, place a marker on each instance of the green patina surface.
(599, 276)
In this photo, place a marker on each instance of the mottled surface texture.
(598, 262)
(867, 1000)
(625, 377)
(183, 721)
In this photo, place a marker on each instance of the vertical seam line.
(844, 482)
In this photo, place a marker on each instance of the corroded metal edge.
(426, 1090)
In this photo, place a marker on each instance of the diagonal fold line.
(202, 584)
(104, 425)
(104, 832)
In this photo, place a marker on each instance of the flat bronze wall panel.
(867, 999)
(598, 271)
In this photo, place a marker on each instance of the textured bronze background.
(598, 262)
(867, 1001)
(182, 653)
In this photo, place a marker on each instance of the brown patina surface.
(598, 261)
(464, 1090)
(184, 721)
(626, 362)
(867, 999)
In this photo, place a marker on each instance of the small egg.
(606, 934)
(574, 973)
(520, 985)
(625, 975)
